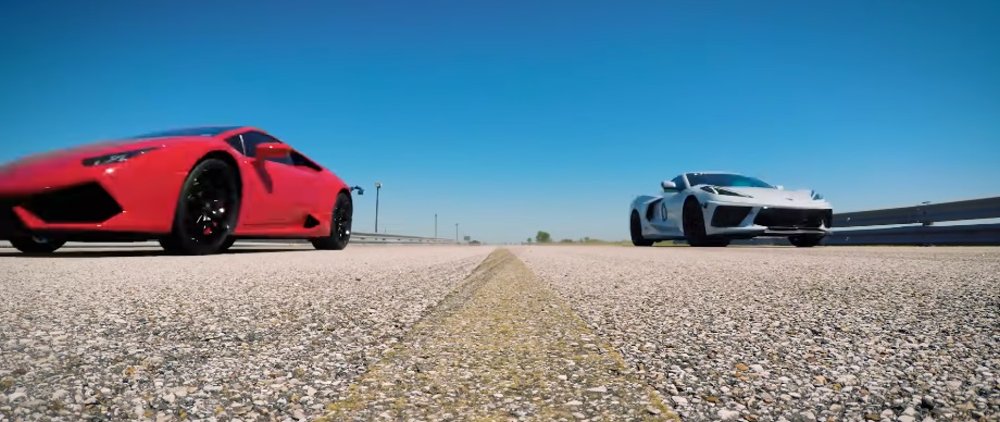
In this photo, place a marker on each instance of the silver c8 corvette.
(710, 209)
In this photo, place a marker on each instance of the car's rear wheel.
(694, 226)
(36, 244)
(340, 225)
(805, 241)
(206, 210)
(635, 228)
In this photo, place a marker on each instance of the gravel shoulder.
(129, 334)
(500, 347)
(896, 333)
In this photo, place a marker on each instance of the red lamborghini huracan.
(195, 190)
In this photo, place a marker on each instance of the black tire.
(228, 244)
(635, 228)
(207, 210)
(340, 225)
(694, 226)
(805, 241)
(36, 244)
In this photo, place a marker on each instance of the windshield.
(191, 131)
(722, 179)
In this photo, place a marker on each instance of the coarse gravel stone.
(772, 333)
(274, 335)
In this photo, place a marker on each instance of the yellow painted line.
(502, 346)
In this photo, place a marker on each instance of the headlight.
(816, 196)
(118, 157)
(722, 191)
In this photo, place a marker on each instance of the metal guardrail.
(973, 209)
(925, 233)
(975, 234)
(372, 238)
(358, 237)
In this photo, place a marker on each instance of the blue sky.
(509, 117)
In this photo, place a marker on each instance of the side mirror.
(668, 185)
(272, 150)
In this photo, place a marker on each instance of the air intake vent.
(87, 203)
(729, 216)
(310, 222)
(9, 223)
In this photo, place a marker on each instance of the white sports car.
(710, 209)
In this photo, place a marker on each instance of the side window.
(252, 139)
(237, 143)
(300, 160)
(250, 143)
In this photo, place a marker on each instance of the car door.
(273, 196)
(310, 176)
(307, 192)
(257, 208)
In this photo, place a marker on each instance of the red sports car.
(195, 190)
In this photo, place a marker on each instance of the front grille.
(729, 216)
(86, 203)
(795, 218)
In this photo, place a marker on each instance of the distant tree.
(566, 241)
(543, 237)
(529, 240)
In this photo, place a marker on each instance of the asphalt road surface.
(524, 333)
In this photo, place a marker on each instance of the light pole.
(435, 225)
(456, 233)
(378, 187)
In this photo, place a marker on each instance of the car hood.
(44, 163)
(777, 197)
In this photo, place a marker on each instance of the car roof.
(206, 131)
(713, 172)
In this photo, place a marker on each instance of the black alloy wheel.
(694, 226)
(635, 229)
(206, 210)
(340, 225)
(36, 244)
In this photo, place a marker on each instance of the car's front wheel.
(228, 244)
(805, 241)
(36, 244)
(206, 210)
(635, 228)
(694, 226)
(340, 225)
